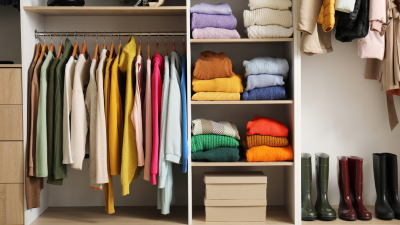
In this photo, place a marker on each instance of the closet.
(74, 202)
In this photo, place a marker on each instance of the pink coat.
(156, 92)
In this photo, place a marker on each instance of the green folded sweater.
(222, 154)
(210, 141)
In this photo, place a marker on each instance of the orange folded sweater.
(266, 126)
(211, 65)
(269, 154)
(259, 140)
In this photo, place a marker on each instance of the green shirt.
(60, 169)
(41, 136)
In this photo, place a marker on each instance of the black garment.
(14, 3)
(348, 20)
(360, 28)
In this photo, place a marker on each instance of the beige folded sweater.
(266, 16)
(272, 4)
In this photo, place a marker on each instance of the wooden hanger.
(84, 47)
(119, 46)
(76, 48)
(148, 47)
(166, 45)
(37, 51)
(44, 50)
(173, 42)
(157, 42)
(184, 45)
(96, 50)
(140, 46)
(112, 47)
(52, 47)
(60, 49)
(104, 45)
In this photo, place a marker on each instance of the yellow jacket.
(108, 188)
(327, 15)
(129, 159)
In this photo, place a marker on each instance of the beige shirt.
(68, 82)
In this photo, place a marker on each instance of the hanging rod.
(105, 34)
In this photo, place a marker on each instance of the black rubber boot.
(392, 184)
(382, 208)
(308, 212)
(322, 206)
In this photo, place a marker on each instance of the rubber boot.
(322, 206)
(382, 208)
(392, 184)
(346, 210)
(308, 212)
(356, 187)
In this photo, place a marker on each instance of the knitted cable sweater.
(269, 31)
(266, 126)
(210, 141)
(266, 16)
(204, 126)
(222, 154)
(211, 65)
(259, 140)
(272, 4)
(269, 154)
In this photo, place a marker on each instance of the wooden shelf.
(10, 65)
(242, 163)
(370, 208)
(124, 215)
(242, 40)
(260, 102)
(275, 215)
(108, 11)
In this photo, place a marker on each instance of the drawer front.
(11, 162)
(11, 123)
(10, 86)
(236, 191)
(11, 204)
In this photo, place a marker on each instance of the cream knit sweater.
(266, 16)
(273, 4)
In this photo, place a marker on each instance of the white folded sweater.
(266, 16)
(272, 4)
(269, 31)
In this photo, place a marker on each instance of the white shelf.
(108, 11)
(242, 163)
(260, 102)
(242, 40)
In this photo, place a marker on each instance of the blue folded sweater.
(267, 65)
(267, 93)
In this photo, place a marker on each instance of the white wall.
(344, 114)
(10, 34)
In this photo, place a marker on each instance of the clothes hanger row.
(105, 34)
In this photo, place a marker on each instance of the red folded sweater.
(266, 126)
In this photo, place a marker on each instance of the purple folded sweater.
(218, 9)
(215, 33)
(267, 93)
(218, 21)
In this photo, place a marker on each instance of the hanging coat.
(345, 33)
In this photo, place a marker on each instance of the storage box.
(237, 185)
(236, 210)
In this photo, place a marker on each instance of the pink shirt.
(136, 115)
(148, 125)
(156, 92)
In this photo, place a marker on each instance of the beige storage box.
(236, 210)
(235, 185)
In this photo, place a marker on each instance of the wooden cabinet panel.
(11, 162)
(10, 86)
(11, 204)
(11, 123)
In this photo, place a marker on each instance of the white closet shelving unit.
(283, 177)
(74, 202)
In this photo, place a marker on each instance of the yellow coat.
(327, 15)
(108, 188)
(129, 159)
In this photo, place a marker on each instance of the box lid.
(255, 177)
(235, 202)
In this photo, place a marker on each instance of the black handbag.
(66, 2)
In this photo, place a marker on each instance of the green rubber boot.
(308, 212)
(324, 209)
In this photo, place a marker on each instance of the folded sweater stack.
(213, 22)
(268, 19)
(265, 78)
(214, 80)
(214, 141)
(267, 141)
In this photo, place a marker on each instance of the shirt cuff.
(376, 25)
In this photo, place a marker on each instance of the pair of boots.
(387, 205)
(350, 180)
(323, 209)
